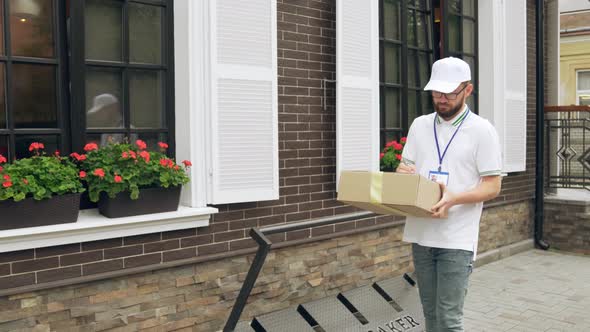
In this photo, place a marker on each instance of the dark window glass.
(31, 28)
(392, 56)
(24, 141)
(108, 138)
(145, 33)
(33, 93)
(125, 87)
(104, 30)
(391, 10)
(433, 29)
(85, 70)
(145, 99)
(4, 147)
(392, 108)
(152, 139)
(406, 56)
(104, 90)
(2, 97)
(460, 28)
(1, 29)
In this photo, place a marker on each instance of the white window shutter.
(357, 85)
(515, 88)
(244, 101)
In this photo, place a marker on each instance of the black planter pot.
(151, 200)
(60, 209)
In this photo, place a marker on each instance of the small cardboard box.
(389, 193)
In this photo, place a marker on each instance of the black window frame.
(427, 8)
(59, 61)
(462, 54)
(70, 63)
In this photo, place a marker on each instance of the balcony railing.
(567, 147)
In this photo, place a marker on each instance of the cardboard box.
(389, 193)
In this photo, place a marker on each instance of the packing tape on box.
(376, 193)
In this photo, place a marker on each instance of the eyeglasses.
(449, 96)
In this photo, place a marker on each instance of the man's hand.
(405, 168)
(441, 209)
(488, 189)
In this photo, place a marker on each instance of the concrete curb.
(503, 252)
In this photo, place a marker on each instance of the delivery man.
(461, 151)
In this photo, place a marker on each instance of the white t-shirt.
(473, 153)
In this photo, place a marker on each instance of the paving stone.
(532, 291)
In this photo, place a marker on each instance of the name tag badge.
(439, 177)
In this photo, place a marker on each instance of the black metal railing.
(567, 147)
(264, 245)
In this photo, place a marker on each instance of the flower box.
(150, 200)
(127, 180)
(59, 209)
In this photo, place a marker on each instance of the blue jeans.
(443, 276)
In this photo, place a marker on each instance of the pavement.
(532, 291)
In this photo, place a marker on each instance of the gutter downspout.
(540, 124)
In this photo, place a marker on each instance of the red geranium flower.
(56, 153)
(145, 155)
(118, 179)
(167, 163)
(25, 181)
(132, 154)
(398, 146)
(398, 156)
(82, 174)
(36, 146)
(176, 168)
(7, 184)
(381, 155)
(392, 143)
(99, 172)
(125, 155)
(141, 144)
(163, 145)
(6, 177)
(78, 157)
(187, 163)
(90, 147)
(403, 139)
(2, 159)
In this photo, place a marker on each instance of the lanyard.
(440, 158)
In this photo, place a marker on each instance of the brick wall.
(199, 297)
(504, 225)
(306, 55)
(567, 225)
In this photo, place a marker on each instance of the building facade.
(574, 49)
(270, 99)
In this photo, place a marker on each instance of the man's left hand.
(441, 209)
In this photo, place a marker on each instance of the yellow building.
(574, 86)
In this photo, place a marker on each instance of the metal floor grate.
(389, 305)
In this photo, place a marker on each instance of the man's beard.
(450, 113)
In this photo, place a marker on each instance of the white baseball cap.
(447, 74)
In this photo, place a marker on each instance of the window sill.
(92, 226)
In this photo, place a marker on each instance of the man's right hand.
(405, 168)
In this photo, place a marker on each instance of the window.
(72, 72)
(583, 87)
(413, 34)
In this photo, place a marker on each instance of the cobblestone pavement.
(531, 291)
